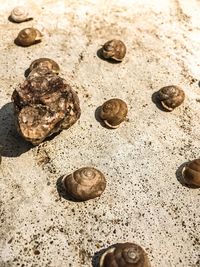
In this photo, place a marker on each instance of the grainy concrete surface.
(144, 201)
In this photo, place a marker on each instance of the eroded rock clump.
(44, 104)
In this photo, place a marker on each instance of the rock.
(44, 104)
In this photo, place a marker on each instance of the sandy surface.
(144, 201)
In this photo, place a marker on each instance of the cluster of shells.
(27, 36)
(46, 104)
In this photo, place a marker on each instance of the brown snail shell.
(124, 255)
(40, 72)
(191, 173)
(28, 36)
(114, 49)
(171, 97)
(20, 14)
(85, 183)
(113, 112)
(45, 63)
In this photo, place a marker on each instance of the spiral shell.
(171, 97)
(85, 183)
(40, 72)
(124, 255)
(113, 112)
(20, 14)
(28, 36)
(114, 49)
(191, 173)
(45, 63)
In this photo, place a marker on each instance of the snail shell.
(28, 36)
(20, 14)
(124, 255)
(113, 112)
(191, 173)
(114, 49)
(45, 63)
(85, 183)
(40, 72)
(171, 97)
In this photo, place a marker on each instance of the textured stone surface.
(144, 202)
(44, 104)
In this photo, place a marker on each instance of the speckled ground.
(144, 201)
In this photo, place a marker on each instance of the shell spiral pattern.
(28, 36)
(45, 63)
(113, 112)
(114, 49)
(20, 14)
(85, 183)
(124, 255)
(171, 97)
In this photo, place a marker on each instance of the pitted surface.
(144, 201)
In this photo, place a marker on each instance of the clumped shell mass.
(85, 183)
(124, 255)
(44, 104)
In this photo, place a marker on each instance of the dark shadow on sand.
(98, 254)
(62, 192)
(13, 21)
(11, 143)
